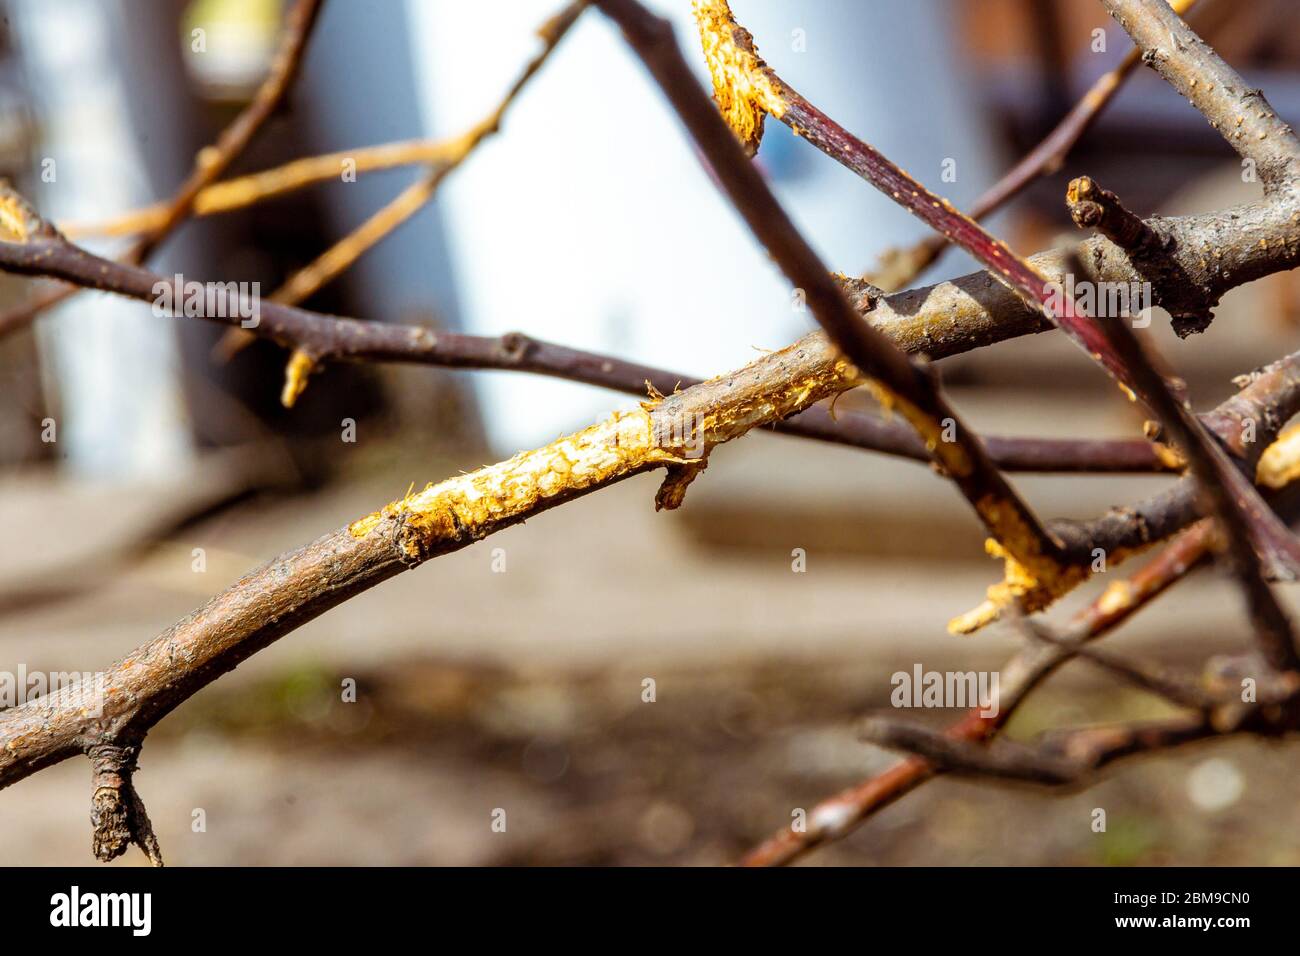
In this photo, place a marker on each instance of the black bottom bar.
(937, 906)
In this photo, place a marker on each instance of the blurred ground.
(522, 690)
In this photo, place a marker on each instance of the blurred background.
(514, 679)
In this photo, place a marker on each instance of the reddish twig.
(900, 266)
(767, 93)
(898, 381)
(1250, 524)
(839, 815)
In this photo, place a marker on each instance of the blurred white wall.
(115, 365)
(589, 220)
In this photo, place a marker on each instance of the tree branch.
(243, 191)
(745, 88)
(339, 257)
(336, 338)
(1254, 532)
(670, 432)
(1269, 399)
(278, 597)
(1041, 565)
(1271, 396)
(898, 267)
(837, 816)
(1241, 114)
(1064, 758)
(212, 160)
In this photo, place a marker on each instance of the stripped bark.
(285, 593)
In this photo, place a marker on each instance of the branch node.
(1092, 207)
(672, 492)
(116, 811)
(515, 347)
(1028, 589)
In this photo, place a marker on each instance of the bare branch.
(1062, 758)
(1254, 532)
(1241, 114)
(1184, 690)
(868, 338)
(898, 267)
(739, 74)
(287, 592)
(839, 815)
(1247, 423)
(212, 161)
(1270, 399)
(249, 190)
(340, 256)
(354, 340)
(842, 813)
(1039, 560)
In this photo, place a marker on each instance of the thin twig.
(338, 258)
(212, 160)
(1061, 758)
(1042, 566)
(899, 267)
(1181, 689)
(1253, 531)
(839, 815)
(241, 192)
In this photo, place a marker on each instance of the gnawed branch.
(1038, 567)
(46, 253)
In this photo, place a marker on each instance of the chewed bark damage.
(742, 87)
(470, 506)
(475, 504)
